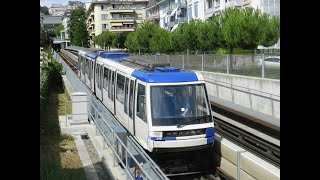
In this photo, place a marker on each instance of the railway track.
(250, 142)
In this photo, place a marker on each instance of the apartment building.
(75, 4)
(57, 9)
(167, 13)
(116, 16)
(212, 7)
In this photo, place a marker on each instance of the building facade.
(75, 4)
(116, 16)
(167, 13)
(214, 7)
(57, 9)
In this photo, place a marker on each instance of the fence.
(239, 64)
(132, 154)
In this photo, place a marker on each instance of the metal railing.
(104, 122)
(251, 92)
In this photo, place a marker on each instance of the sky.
(49, 2)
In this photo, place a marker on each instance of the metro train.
(165, 108)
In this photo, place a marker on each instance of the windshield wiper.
(186, 123)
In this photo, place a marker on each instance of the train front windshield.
(179, 104)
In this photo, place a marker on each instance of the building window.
(127, 6)
(139, 16)
(138, 6)
(217, 3)
(196, 9)
(116, 6)
(116, 16)
(209, 4)
(141, 103)
(104, 26)
(104, 16)
(190, 11)
(103, 7)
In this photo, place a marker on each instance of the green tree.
(253, 27)
(77, 28)
(106, 39)
(231, 28)
(58, 29)
(44, 38)
(44, 10)
(191, 34)
(131, 42)
(160, 41)
(271, 32)
(177, 39)
(122, 39)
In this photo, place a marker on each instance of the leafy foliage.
(58, 29)
(106, 39)
(77, 28)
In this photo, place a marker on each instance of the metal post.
(127, 163)
(217, 89)
(238, 165)
(168, 59)
(202, 62)
(114, 163)
(272, 109)
(228, 62)
(250, 99)
(182, 61)
(263, 65)
(155, 58)
(232, 93)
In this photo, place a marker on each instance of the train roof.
(146, 72)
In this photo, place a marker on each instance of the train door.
(79, 65)
(130, 104)
(83, 67)
(87, 72)
(92, 75)
(111, 91)
(98, 81)
(120, 97)
(106, 99)
(141, 122)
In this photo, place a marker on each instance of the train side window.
(106, 79)
(96, 79)
(112, 85)
(141, 103)
(131, 99)
(120, 88)
(126, 96)
(98, 76)
(101, 77)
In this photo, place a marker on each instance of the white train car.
(164, 108)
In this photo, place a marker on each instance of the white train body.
(164, 108)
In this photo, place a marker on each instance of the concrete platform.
(105, 154)
(251, 166)
(248, 113)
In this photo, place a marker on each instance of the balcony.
(92, 32)
(209, 12)
(114, 20)
(122, 29)
(121, 10)
(154, 16)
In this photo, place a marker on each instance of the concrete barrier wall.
(260, 104)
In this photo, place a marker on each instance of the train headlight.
(155, 134)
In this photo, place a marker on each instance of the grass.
(59, 158)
